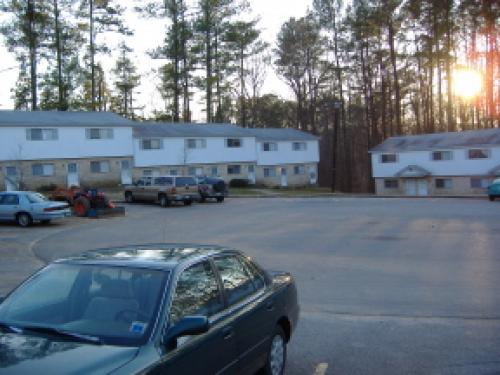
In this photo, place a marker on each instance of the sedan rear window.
(183, 181)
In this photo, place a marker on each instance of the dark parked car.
(494, 190)
(155, 309)
(212, 187)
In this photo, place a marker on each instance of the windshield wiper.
(64, 334)
(9, 328)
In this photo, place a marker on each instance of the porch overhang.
(413, 171)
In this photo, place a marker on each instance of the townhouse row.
(103, 149)
(455, 163)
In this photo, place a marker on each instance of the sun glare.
(467, 83)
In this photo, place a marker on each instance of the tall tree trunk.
(449, 105)
(61, 105)
(208, 65)
(177, 91)
(397, 90)
(92, 55)
(32, 35)
(242, 90)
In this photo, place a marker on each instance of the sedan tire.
(24, 220)
(492, 198)
(129, 198)
(164, 202)
(276, 356)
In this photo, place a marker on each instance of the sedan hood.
(22, 354)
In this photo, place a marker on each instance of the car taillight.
(173, 190)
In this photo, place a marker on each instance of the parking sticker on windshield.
(138, 327)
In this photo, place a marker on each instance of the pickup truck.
(164, 190)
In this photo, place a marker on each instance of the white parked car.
(25, 207)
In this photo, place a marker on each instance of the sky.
(149, 33)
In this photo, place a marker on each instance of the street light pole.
(336, 112)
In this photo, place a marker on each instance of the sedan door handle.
(227, 333)
(270, 305)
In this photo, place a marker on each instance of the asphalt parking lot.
(386, 286)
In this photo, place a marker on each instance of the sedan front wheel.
(24, 220)
(276, 357)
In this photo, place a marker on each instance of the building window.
(42, 169)
(11, 171)
(172, 172)
(196, 143)
(479, 183)
(391, 184)
(299, 146)
(233, 142)
(388, 158)
(442, 155)
(99, 166)
(444, 183)
(478, 153)
(214, 171)
(234, 169)
(195, 171)
(151, 144)
(270, 146)
(36, 134)
(269, 172)
(299, 169)
(147, 172)
(99, 133)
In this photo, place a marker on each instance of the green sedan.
(494, 190)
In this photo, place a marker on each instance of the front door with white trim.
(284, 177)
(313, 177)
(251, 174)
(422, 187)
(410, 187)
(11, 179)
(126, 172)
(73, 178)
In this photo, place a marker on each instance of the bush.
(46, 188)
(239, 183)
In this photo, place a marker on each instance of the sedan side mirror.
(1, 299)
(189, 325)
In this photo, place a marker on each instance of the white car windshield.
(116, 305)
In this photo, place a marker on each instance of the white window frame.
(102, 133)
(483, 182)
(46, 169)
(299, 146)
(269, 146)
(196, 143)
(389, 181)
(47, 134)
(442, 153)
(299, 170)
(447, 183)
(173, 172)
(153, 144)
(101, 164)
(231, 166)
(195, 171)
(238, 142)
(212, 170)
(269, 171)
(388, 154)
(487, 152)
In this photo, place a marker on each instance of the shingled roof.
(440, 141)
(60, 118)
(146, 129)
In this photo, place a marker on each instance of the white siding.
(460, 165)
(286, 155)
(175, 153)
(71, 143)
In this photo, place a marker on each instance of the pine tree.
(126, 80)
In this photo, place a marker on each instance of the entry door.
(284, 177)
(313, 179)
(73, 179)
(251, 174)
(11, 179)
(422, 187)
(126, 173)
(411, 187)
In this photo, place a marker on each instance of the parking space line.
(321, 369)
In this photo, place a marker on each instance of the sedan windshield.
(36, 198)
(114, 305)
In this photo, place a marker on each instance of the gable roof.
(440, 141)
(61, 118)
(281, 134)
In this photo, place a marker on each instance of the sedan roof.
(157, 256)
